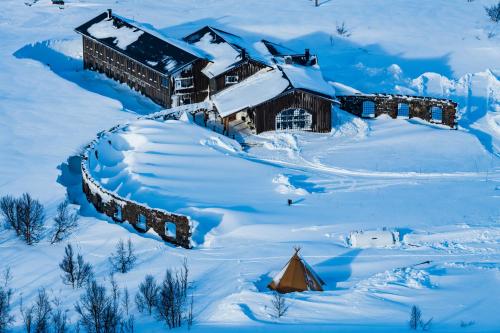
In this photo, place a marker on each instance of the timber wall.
(388, 104)
(264, 115)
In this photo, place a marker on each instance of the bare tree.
(6, 292)
(25, 215)
(8, 209)
(494, 12)
(41, 312)
(147, 296)
(94, 308)
(172, 304)
(75, 272)
(416, 320)
(31, 218)
(123, 259)
(64, 222)
(279, 304)
(27, 315)
(342, 30)
(60, 323)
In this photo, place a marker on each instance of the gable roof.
(212, 40)
(142, 44)
(258, 88)
(308, 78)
(297, 275)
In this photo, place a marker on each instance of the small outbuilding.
(297, 275)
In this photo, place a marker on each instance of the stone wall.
(388, 104)
(121, 209)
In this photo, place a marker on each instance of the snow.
(259, 88)
(123, 36)
(373, 238)
(223, 55)
(438, 188)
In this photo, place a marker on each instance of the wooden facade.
(103, 59)
(264, 114)
(242, 70)
(420, 107)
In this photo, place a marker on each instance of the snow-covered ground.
(440, 189)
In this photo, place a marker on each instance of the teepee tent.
(297, 275)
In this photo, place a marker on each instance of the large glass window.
(368, 109)
(294, 119)
(437, 114)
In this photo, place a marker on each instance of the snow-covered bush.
(25, 215)
(280, 307)
(172, 303)
(494, 12)
(147, 296)
(64, 222)
(123, 259)
(76, 272)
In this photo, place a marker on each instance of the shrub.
(171, 305)
(75, 272)
(494, 12)
(25, 215)
(6, 292)
(147, 296)
(64, 222)
(279, 305)
(123, 259)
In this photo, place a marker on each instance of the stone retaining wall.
(388, 104)
(121, 209)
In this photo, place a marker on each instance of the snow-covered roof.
(223, 55)
(259, 88)
(308, 78)
(224, 41)
(141, 42)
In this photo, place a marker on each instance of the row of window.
(123, 63)
(403, 111)
(141, 223)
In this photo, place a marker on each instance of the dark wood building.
(237, 64)
(277, 101)
(167, 71)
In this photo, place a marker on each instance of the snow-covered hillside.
(439, 188)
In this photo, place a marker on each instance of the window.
(403, 110)
(368, 109)
(183, 83)
(141, 222)
(294, 119)
(231, 79)
(437, 114)
(170, 229)
(164, 81)
(118, 213)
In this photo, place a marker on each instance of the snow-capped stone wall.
(416, 106)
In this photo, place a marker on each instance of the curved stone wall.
(388, 104)
(121, 209)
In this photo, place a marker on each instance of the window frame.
(433, 110)
(228, 78)
(364, 113)
(178, 83)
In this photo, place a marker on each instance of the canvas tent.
(297, 275)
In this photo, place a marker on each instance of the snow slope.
(438, 188)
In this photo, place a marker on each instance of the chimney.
(307, 55)
(110, 13)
